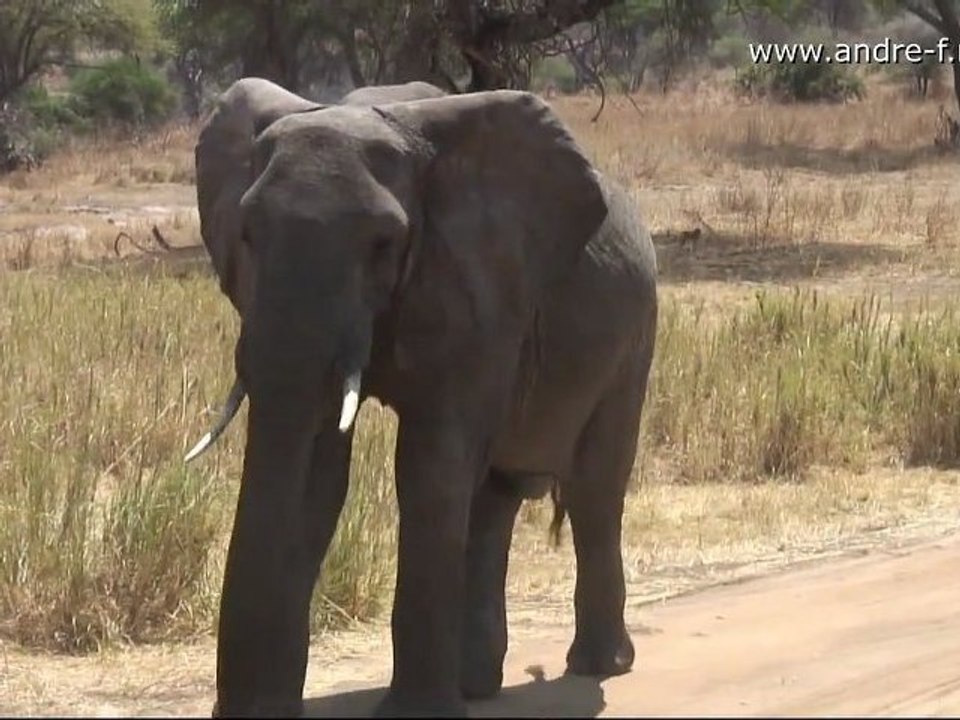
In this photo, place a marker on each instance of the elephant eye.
(381, 246)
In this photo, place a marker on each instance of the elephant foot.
(395, 707)
(601, 659)
(276, 710)
(481, 657)
(481, 681)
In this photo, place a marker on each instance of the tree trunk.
(189, 73)
(942, 18)
(416, 56)
(956, 73)
(273, 54)
(349, 44)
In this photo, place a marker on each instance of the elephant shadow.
(567, 696)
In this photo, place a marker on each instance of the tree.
(842, 14)
(944, 17)
(458, 44)
(674, 31)
(37, 34)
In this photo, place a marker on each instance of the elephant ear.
(509, 202)
(224, 167)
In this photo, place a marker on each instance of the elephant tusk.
(351, 400)
(230, 408)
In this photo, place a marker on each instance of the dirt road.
(875, 635)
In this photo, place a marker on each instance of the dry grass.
(679, 537)
(768, 174)
(106, 375)
(165, 156)
(829, 382)
(105, 534)
(74, 208)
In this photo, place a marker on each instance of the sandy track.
(874, 635)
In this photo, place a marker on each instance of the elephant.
(379, 94)
(461, 260)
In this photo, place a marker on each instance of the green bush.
(729, 51)
(25, 141)
(800, 82)
(557, 70)
(36, 127)
(123, 91)
(52, 112)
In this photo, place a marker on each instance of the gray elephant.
(459, 259)
(380, 94)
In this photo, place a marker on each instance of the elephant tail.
(559, 513)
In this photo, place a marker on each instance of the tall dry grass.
(104, 380)
(771, 173)
(797, 381)
(118, 160)
(105, 534)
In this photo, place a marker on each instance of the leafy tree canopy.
(35, 34)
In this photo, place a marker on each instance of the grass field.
(804, 391)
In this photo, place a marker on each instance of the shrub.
(556, 70)
(35, 127)
(52, 112)
(729, 51)
(123, 91)
(800, 82)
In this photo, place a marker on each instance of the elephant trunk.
(356, 355)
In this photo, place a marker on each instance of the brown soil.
(868, 632)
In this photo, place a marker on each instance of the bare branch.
(161, 240)
(157, 236)
(543, 22)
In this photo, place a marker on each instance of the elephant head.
(223, 154)
(223, 165)
(329, 209)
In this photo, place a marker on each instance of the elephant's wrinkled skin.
(496, 292)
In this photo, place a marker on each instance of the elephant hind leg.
(593, 497)
(492, 516)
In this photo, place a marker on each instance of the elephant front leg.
(290, 498)
(437, 468)
(484, 646)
